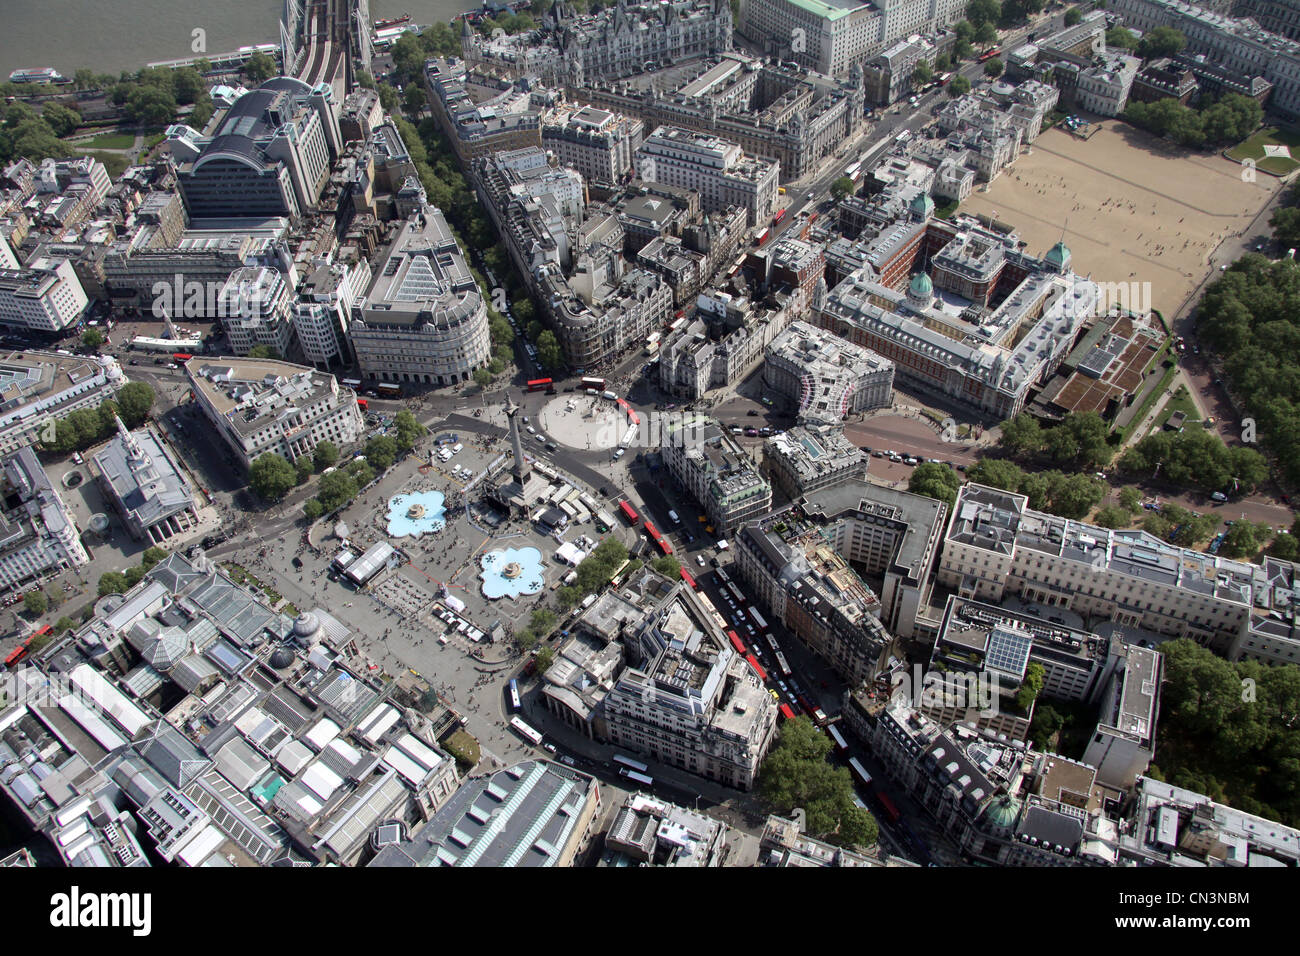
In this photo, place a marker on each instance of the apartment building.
(717, 169)
(495, 117)
(599, 144)
(793, 569)
(260, 405)
(718, 473)
(890, 535)
(45, 295)
(810, 457)
(423, 319)
(38, 535)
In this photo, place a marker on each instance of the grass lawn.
(1253, 148)
(110, 141)
(1180, 402)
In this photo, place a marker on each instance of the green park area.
(1253, 148)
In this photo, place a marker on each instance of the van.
(456, 448)
(673, 516)
(611, 396)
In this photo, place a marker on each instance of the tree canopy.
(935, 480)
(271, 476)
(1234, 741)
(1198, 458)
(796, 774)
(1067, 495)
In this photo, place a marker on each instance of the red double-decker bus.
(181, 356)
(539, 384)
(786, 712)
(629, 512)
(989, 54)
(690, 581)
(736, 642)
(758, 668)
(891, 811)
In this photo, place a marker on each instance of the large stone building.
(256, 308)
(38, 536)
(618, 41)
(810, 457)
(888, 535)
(38, 388)
(45, 295)
(984, 324)
(1240, 47)
(717, 472)
(597, 143)
(261, 406)
(793, 570)
(423, 319)
(270, 155)
(717, 169)
(998, 546)
(770, 109)
(146, 485)
(479, 115)
(830, 36)
(824, 376)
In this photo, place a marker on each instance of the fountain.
(415, 514)
(513, 573)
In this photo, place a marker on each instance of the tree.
(1121, 38)
(388, 98)
(1285, 546)
(1072, 16)
(482, 377)
(796, 774)
(958, 86)
(996, 473)
(264, 352)
(188, 85)
(964, 30)
(993, 67)
(365, 80)
(667, 565)
(414, 99)
(1047, 723)
(325, 454)
(1161, 41)
(963, 50)
(336, 489)
(64, 624)
(134, 575)
(150, 106)
(935, 480)
(112, 582)
(1244, 539)
(548, 350)
(84, 79)
(259, 68)
(984, 11)
(545, 657)
(60, 119)
(1030, 686)
(35, 603)
(407, 429)
(842, 187)
(1112, 517)
(271, 476)
(134, 400)
(152, 556)
(1130, 499)
(303, 469)
(857, 827)
(542, 620)
(381, 452)
(361, 473)
(92, 338)
(1021, 435)
(313, 509)
(922, 74)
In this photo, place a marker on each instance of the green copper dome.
(1057, 256)
(922, 205)
(1003, 812)
(921, 287)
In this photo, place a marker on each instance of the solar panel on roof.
(1009, 651)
